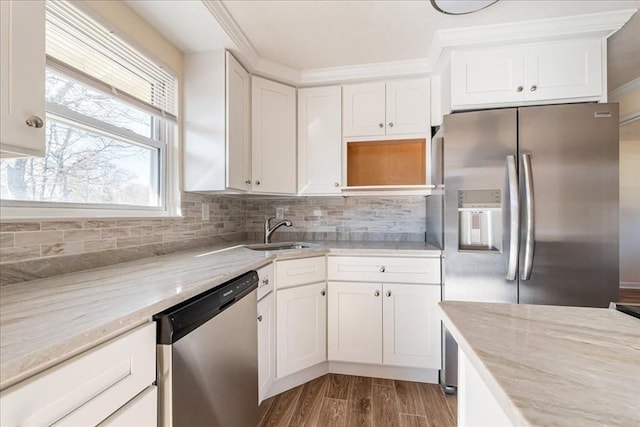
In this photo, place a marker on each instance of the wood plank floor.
(630, 295)
(343, 400)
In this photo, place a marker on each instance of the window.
(110, 124)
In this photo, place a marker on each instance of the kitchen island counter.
(46, 321)
(552, 365)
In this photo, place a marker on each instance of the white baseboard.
(390, 372)
(629, 285)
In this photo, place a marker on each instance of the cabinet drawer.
(296, 272)
(141, 411)
(265, 280)
(384, 269)
(88, 388)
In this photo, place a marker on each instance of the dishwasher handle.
(180, 320)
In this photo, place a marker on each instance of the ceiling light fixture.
(460, 7)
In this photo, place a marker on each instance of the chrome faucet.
(268, 230)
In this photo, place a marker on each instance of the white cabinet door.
(408, 106)
(301, 319)
(266, 345)
(568, 69)
(273, 107)
(216, 151)
(487, 76)
(355, 322)
(319, 140)
(238, 125)
(364, 109)
(411, 328)
(22, 78)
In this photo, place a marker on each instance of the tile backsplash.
(23, 240)
(32, 249)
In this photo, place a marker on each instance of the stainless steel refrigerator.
(529, 208)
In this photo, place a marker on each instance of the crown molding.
(627, 88)
(588, 25)
(233, 30)
(377, 70)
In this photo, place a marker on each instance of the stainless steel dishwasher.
(208, 358)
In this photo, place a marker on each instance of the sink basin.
(280, 246)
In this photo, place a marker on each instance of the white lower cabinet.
(89, 388)
(389, 316)
(384, 323)
(266, 345)
(301, 318)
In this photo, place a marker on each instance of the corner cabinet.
(563, 71)
(111, 383)
(273, 107)
(319, 140)
(301, 314)
(395, 107)
(22, 78)
(217, 145)
(383, 311)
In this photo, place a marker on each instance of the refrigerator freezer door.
(476, 148)
(573, 151)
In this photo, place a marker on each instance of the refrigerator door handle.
(514, 211)
(529, 215)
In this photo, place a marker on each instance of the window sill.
(15, 213)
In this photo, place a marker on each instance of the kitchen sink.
(280, 246)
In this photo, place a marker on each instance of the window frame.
(167, 129)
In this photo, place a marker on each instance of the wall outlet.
(205, 212)
(280, 213)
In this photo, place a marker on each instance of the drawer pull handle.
(519, 89)
(323, 292)
(382, 269)
(388, 293)
(260, 318)
(265, 281)
(376, 293)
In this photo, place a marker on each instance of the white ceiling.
(320, 34)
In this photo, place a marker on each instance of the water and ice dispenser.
(480, 220)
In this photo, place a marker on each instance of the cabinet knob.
(388, 293)
(336, 184)
(265, 281)
(34, 122)
(390, 124)
(260, 318)
(533, 88)
(376, 293)
(248, 182)
(323, 292)
(519, 89)
(380, 125)
(257, 182)
(382, 269)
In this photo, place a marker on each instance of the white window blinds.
(85, 49)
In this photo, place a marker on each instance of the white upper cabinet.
(273, 107)
(569, 70)
(395, 107)
(319, 140)
(217, 141)
(238, 110)
(22, 78)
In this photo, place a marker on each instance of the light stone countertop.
(552, 365)
(44, 322)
